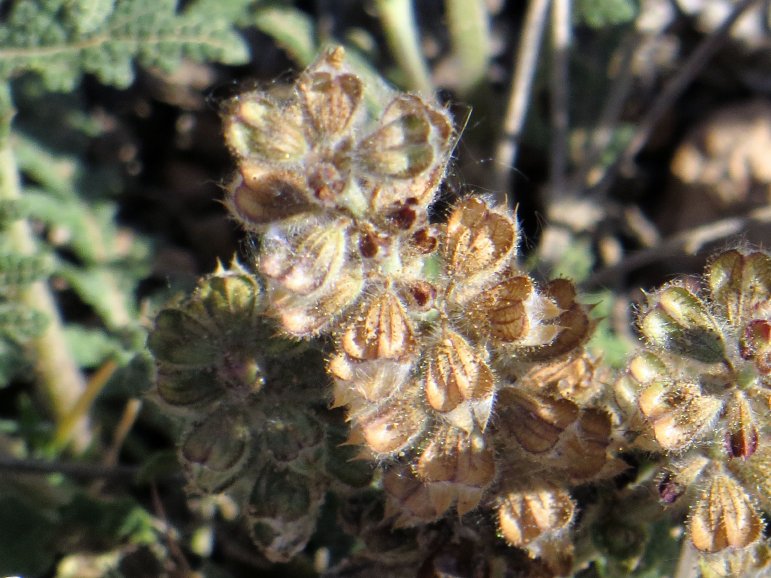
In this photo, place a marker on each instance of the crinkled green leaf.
(63, 39)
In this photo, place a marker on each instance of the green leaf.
(601, 13)
(19, 323)
(18, 269)
(91, 347)
(292, 29)
(63, 39)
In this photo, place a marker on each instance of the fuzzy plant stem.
(59, 380)
(398, 20)
(526, 58)
(468, 23)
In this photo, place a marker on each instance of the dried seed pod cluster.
(338, 187)
(216, 356)
(701, 391)
(432, 324)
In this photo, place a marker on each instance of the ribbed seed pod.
(480, 243)
(456, 467)
(536, 516)
(723, 516)
(199, 347)
(282, 511)
(408, 150)
(458, 382)
(381, 331)
(408, 499)
(265, 129)
(677, 412)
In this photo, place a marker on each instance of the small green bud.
(293, 437)
(216, 450)
(282, 512)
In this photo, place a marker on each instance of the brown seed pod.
(503, 309)
(331, 97)
(457, 467)
(583, 452)
(723, 517)
(564, 332)
(259, 196)
(392, 426)
(741, 439)
(480, 243)
(534, 420)
(573, 378)
(678, 412)
(534, 510)
(454, 373)
(382, 330)
(362, 385)
(408, 499)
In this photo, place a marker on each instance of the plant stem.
(398, 20)
(560, 90)
(526, 58)
(468, 24)
(59, 381)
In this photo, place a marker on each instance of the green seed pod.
(208, 348)
(292, 437)
(679, 322)
(282, 512)
(216, 450)
(740, 284)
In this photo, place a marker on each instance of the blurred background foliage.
(592, 116)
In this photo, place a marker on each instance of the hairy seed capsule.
(678, 413)
(457, 467)
(535, 421)
(525, 514)
(455, 373)
(724, 517)
(259, 196)
(260, 128)
(741, 439)
(739, 283)
(307, 259)
(680, 323)
(402, 146)
(480, 242)
(382, 331)
(307, 317)
(408, 498)
(216, 450)
(330, 101)
(392, 426)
